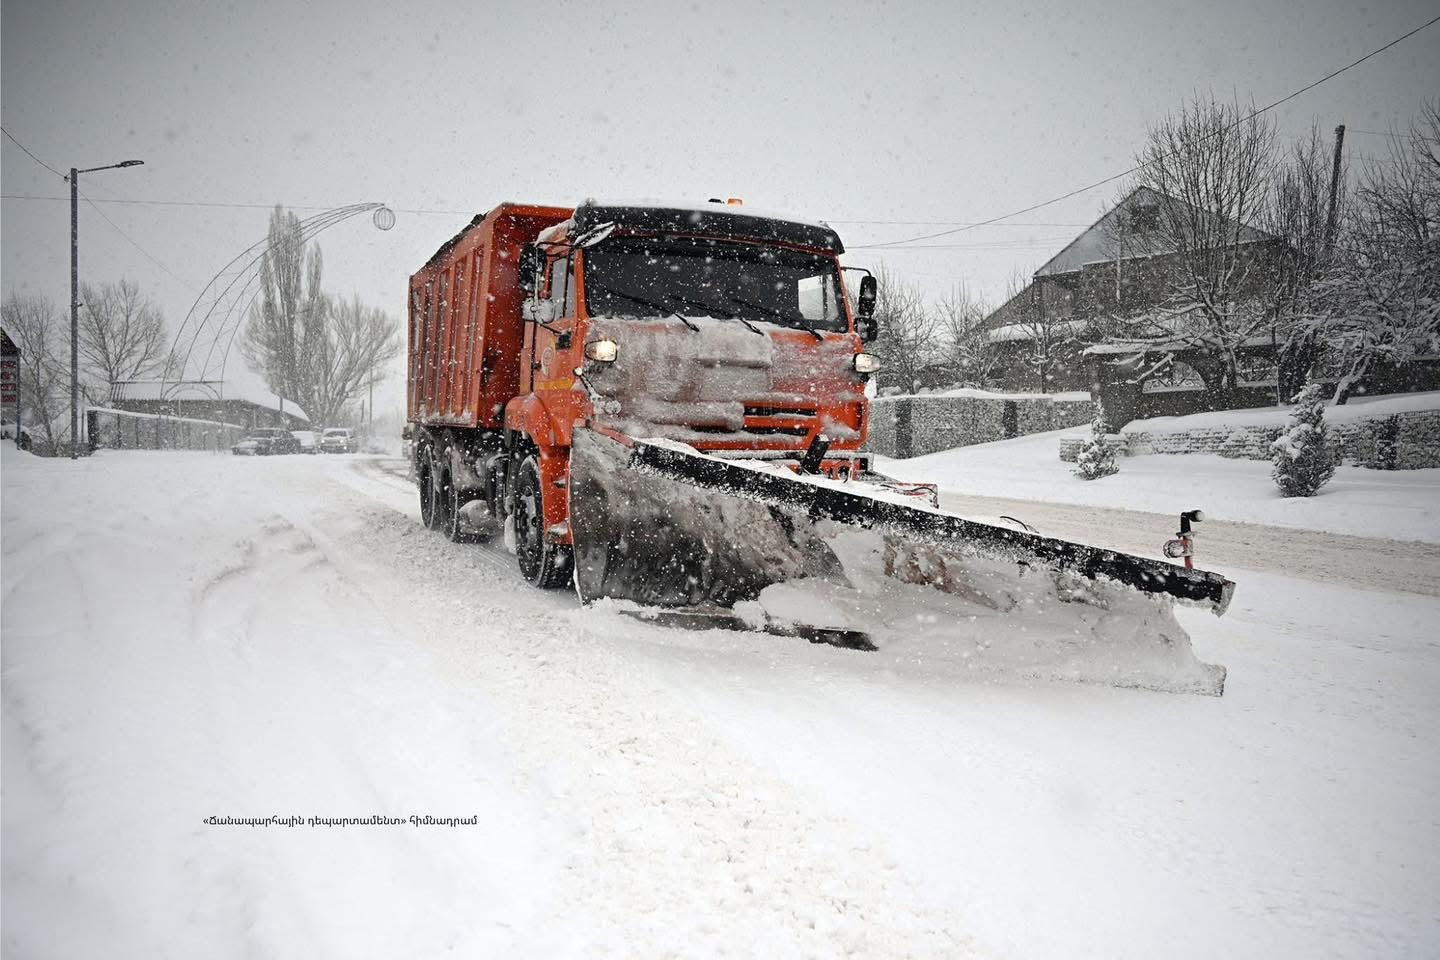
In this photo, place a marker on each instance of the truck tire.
(454, 528)
(432, 494)
(546, 565)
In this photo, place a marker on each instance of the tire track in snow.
(350, 712)
(679, 842)
(374, 473)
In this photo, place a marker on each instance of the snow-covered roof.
(721, 219)
(1097, 243)
(1162, 345)
(731, 209)
(205, 390)
(1026, 331)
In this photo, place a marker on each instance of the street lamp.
(75, 297)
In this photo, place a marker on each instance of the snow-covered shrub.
(1097, 456)
(1302, 456)
(1236, 446)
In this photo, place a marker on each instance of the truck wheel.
(432, 495)
(455, 528)
(546, 565)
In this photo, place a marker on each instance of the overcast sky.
(861, 113)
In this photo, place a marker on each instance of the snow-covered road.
(188, 636)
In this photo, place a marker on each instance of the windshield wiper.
(654, 304)
(784, 318)
(710, 307)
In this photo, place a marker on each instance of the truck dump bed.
(465, 331)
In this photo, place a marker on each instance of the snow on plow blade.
(663, 525)
(644, 537)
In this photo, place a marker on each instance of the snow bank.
(1404, 505)
(1359, 408)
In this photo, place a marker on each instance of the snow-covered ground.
(190, 636)
(1398, 504)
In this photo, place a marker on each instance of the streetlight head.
(130, 163)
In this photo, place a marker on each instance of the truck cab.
(727, 331)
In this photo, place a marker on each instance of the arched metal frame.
(223, 305)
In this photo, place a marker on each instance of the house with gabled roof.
(1109, 285)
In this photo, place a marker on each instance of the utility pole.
(1331, 212)
(75, 297)
(74, 313)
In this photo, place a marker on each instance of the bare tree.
(1049, 342)
(359, 341)
(907, 331)
(1211, 167)
(1299, 214)
(285, 334)
(42, 335)
(963, 344)
(1383, 295)
(122, 334)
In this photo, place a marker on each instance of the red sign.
(9, 379)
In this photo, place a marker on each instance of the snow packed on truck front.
(722, 344)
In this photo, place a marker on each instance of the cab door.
(553, 359)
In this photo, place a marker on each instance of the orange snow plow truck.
(666, 405)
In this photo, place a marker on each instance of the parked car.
(8, 430)
(338, 440)
(309, 440)
(266, 440)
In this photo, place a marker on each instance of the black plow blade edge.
(725, 620)
(829, 501)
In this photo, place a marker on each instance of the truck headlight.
(866, 363)
(602, 351)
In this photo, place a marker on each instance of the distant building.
(224, 400)
(1065, 330)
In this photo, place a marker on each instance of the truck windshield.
(653, 276)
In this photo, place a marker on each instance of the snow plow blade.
(696, 540)
(702, 555)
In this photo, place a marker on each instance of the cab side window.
(562, 285)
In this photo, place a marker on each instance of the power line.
(470, 213)
(950, 223)
(979, 245)
(240, 206)
(32, 156)
(115, 226)
(1126, 173)
(132, 241)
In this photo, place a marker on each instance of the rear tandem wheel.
(432, 494)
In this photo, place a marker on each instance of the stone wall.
(1403, 441)
(913, 426)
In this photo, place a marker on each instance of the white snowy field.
(190, 636)
(1397, 504)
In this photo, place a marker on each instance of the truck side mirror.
(529, 267)
(865, 324)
